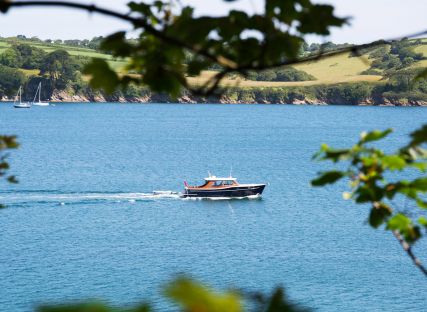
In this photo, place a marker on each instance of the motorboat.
(20, 104)
(224, 188)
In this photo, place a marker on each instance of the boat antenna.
(231, 170)
(209, 174)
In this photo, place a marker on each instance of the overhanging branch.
(6, 5)
(221, 60)
(228, 65)
(407, 248)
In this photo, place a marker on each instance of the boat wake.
(38, 197)
(20, 198)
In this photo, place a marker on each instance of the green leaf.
(399, 222)
(192, 296)
(12, 179)
(419, 136)
(393, 162)
(379, 213)
(421, 203)
(117, 44)
(422, 221)
(329, 177)
(419, 185)
(368, 193)
(337, 154)
(140, 7)
(404, 226)
(421, 166)
(318, 18)
(375, 135)
(4, 6)
(103, 77)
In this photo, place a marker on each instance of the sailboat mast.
(40, 90)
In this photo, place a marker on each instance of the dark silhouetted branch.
(228, 65)
(407, 248)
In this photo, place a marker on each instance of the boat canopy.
(214, 178)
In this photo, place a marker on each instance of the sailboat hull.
(41, 104)
(22, 105)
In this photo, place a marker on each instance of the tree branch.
(221, 60)
(407, 248)
(228, 65)
(6, 5)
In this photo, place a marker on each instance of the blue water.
(82, 222)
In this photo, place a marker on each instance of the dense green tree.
(31, 57)
(11, 58)
(280, 74)
(23, 56)
(95, 43)
(10, 81)
(59, 67)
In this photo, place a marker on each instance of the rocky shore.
(224, 99)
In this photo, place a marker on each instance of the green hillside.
(76, 51)
(383, 74)
(342, 68)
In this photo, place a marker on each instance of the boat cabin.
(214, 182)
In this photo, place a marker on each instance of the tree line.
(57, 70)
(93, 43)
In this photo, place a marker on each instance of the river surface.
(83, 223)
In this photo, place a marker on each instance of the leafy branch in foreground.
(374, 181)
(192, 296)
(237, 42)
(6, 143)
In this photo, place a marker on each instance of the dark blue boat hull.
(231, 192)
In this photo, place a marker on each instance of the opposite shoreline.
(188, 99)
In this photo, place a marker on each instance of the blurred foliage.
(237, 42)
(6, 143)
(374, 181)
(191, 296)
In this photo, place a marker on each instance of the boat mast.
(17, 95)
(37, 91)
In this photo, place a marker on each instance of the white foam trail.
(64, 198)
(40, 197)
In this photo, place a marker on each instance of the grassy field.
(336, 69)
(332, 70)
(118, 65)
(422, 49)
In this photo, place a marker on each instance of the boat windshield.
(222, 183)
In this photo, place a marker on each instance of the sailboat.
(20, 104)
(38, 92)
